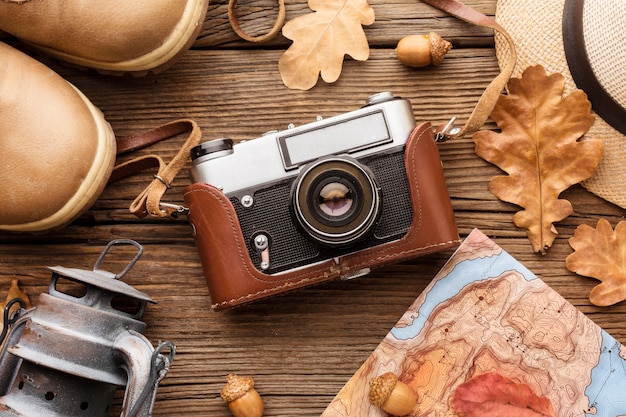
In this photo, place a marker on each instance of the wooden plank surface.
(301, 347)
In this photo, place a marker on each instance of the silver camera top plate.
(384, 123)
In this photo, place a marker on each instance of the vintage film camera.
(328, 199)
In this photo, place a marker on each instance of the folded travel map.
(485, 313)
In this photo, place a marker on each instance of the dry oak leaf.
(321, 39)
(601, 253)
(493, 395)
(541, 149)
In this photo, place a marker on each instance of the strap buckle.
(173, 210)
(445, 133)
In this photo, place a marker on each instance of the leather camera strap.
(149, 201)
(488, 99)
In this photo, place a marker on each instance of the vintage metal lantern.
(72, 352)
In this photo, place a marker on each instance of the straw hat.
(585, 41)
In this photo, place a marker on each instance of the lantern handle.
(120, 242)
(8, 318)
(146, 367)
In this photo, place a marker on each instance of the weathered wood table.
(301, 347)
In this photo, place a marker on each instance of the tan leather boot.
(113, 36)
(56, 149)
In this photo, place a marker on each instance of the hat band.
(582, 72)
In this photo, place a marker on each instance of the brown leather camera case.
(232, 278)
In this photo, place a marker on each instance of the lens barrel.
(336, 201)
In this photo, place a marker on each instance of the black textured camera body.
(272, 215)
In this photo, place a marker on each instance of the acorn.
(392, 395)
(422, 50)
(243, 400)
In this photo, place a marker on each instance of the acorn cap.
(439, 47)
(381, 387)
(236, 387)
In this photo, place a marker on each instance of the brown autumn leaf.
(493, 395)
(540, 148)
(600, 253)
(14, 292)
(322, 39)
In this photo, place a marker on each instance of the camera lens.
(336, 201)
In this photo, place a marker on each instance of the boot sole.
(158, 60)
